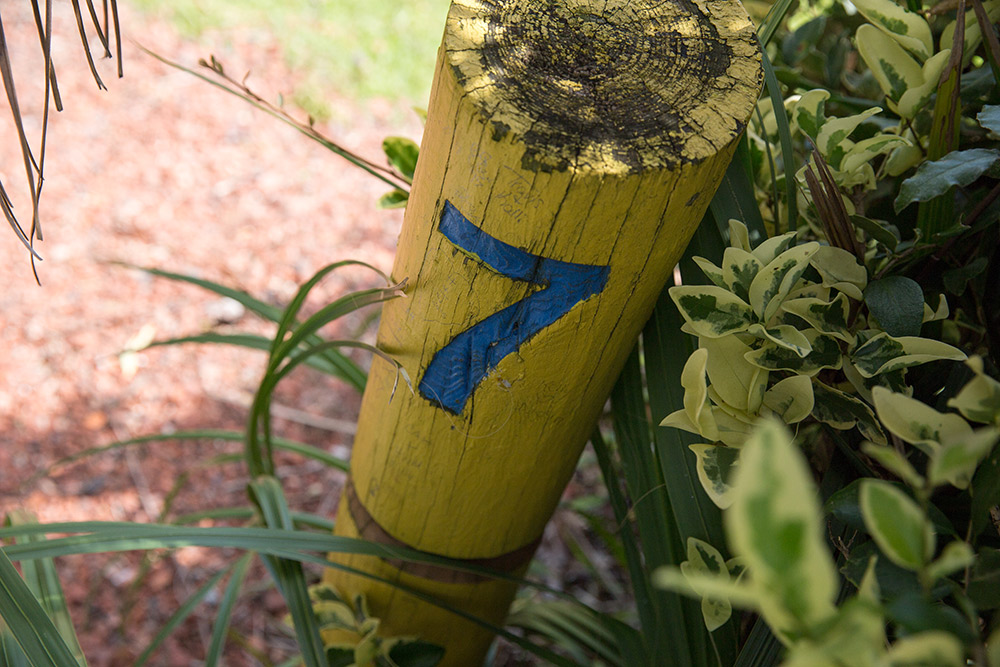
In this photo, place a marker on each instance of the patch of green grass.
(360, 50)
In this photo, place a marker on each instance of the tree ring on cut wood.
(618, 86)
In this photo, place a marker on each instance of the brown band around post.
(369, 529)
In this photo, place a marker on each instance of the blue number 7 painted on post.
(458, 367)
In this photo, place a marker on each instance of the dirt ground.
(162, 170)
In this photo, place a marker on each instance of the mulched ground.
(162, 170)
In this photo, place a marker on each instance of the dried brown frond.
(34, 167)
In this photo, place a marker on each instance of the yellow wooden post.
(571, 148)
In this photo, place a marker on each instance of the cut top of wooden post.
(613, 86)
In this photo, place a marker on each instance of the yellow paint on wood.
(593, 133)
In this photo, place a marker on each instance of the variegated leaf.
(979, 399)
(808, 113)
(907, 28)
(736, 381)
(716, 465)
(705, 559)
(739, 268)
(897, 524)
(836, 265)
(733, 432)
(791, 399)
(739, 236)
(842, 411)
(772, 247)
(783, 335)
(933, 647)
(893, 461)
(864, 151)
(711, 271)
(883, 353)
(833, 141)
(825, 354)
(958, 457)
(696, 394)
(894, 69)
(712, 312)
(915, 97)
(826, 317)
(917, 423)
(778, 277)
(776, 526)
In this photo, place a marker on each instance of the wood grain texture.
(582, 134)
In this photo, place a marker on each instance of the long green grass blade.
(735, 197)
(180, 616)
(665, 350)
(249, 341)
(773, 20)
(29, 625)
(288, 575)
(305, 547)
(259, 448)
(283, 444)
(11, 654)
(573, 628)
(673, 638)
(641, 588)
(291, 312)
(785, 139)
(225, 612)
(300, 519)
(347, 370)
(43, 581)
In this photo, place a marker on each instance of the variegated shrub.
(784, 330)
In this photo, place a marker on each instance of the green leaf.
(984, 580)
(711, 312)
(393, 199)
(716, 465)
(808, 112)
(897, 302)
(878, 230)
(955, 280)
(776, 526)
(402, 155)
(933, 179)
(416, 653)
(989, 117)
(897, 524)
(883, 354)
